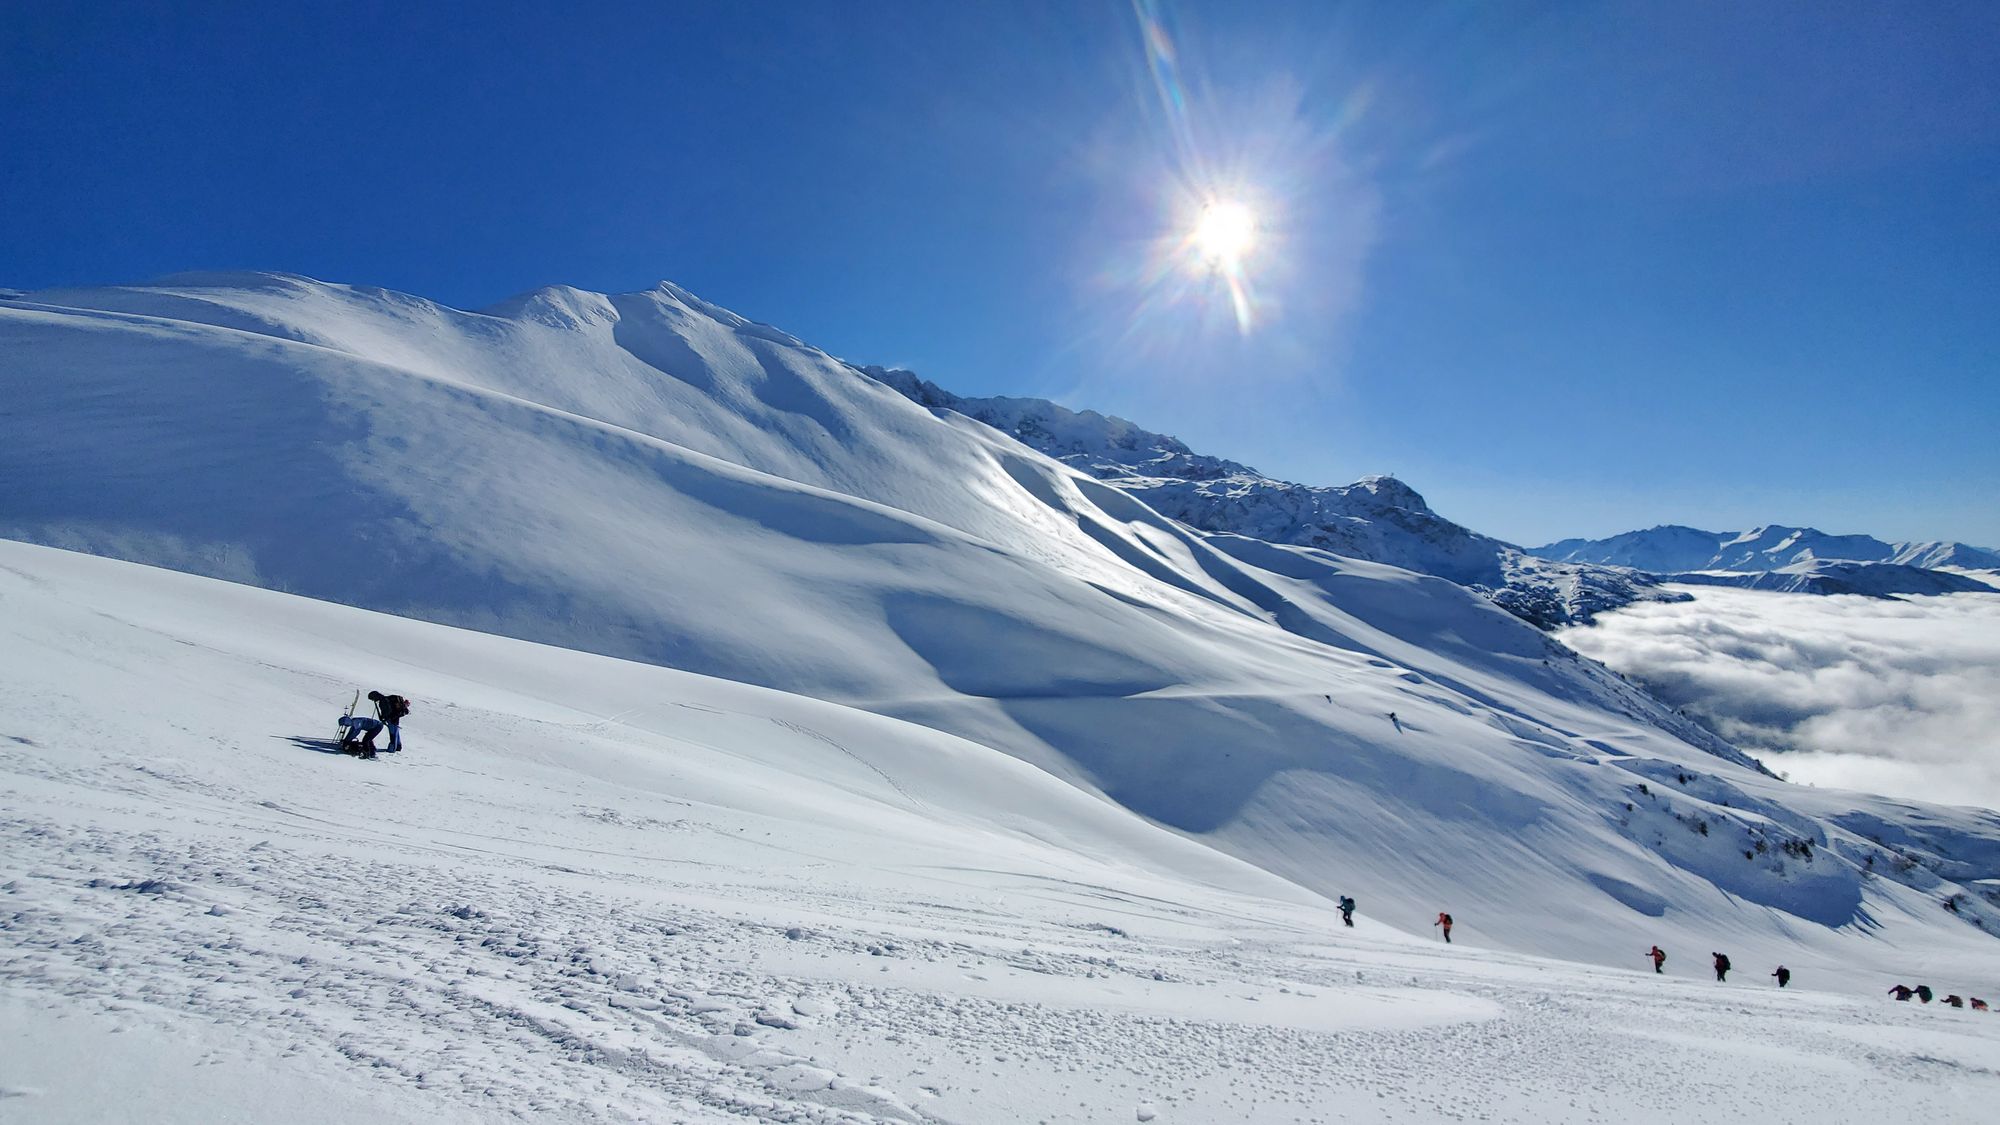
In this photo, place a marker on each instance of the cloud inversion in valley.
(1892, 696)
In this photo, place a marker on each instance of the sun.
(1225, 233)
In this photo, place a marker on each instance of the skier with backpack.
(1784, 976)
(1721, 966)
(390, 709)
(1659, 957)
(1444, 920)
(1347, 910)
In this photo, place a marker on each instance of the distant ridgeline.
(1381, 519)
(1798, 559)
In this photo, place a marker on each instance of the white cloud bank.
(1892, 696)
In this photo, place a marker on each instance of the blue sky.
(1567, 268)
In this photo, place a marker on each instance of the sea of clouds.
(1894, 696)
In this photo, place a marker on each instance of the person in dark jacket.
(1955, 1000)
(1347, 910)
(390, 709)
(1444, 920)
(1659, 957)
(1902, 992)
(1721, 966)
(1924, 993)
(1784, 976)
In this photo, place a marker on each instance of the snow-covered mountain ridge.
(1672, 549)
(650, 477)
(1834, 576)
(1380, 519)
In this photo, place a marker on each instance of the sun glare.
(1225, 232)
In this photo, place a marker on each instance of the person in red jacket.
(1659, 957)
(1445, 921)
(1978, 1005)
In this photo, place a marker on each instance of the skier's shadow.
(322, 745)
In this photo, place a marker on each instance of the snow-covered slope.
(1672, 549)
(648, 476)
(1380, 519)
(599, 891)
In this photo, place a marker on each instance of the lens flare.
(1213, 235)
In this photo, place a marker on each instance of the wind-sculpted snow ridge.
(1672, 549)
(648, 477)
(1380, 518)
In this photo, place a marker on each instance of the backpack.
(1445, 919)
(394, 707)
(1346, 903)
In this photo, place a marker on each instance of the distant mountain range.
(1673, 549)
(1379, 519)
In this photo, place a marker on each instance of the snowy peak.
(1379, 518)
(1672, 549)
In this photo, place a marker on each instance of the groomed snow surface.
(594, 890)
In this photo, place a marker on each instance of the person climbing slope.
(1902, 991)
(358, 735)
(1924, 993)
(1347, 910)
(1659, 957)
(1721, 966)
(1444, 920)
(1784, 976)
(390, 709)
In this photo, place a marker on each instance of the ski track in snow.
(494, 989)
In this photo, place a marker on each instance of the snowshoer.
(391, 709)
(1659, 957)
(1721, 966)
(1902, 992)
(1924, 993)
(360, 735)
(1955, 1000)
(1347, 910)
(1444, 920)
(1784, 976)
